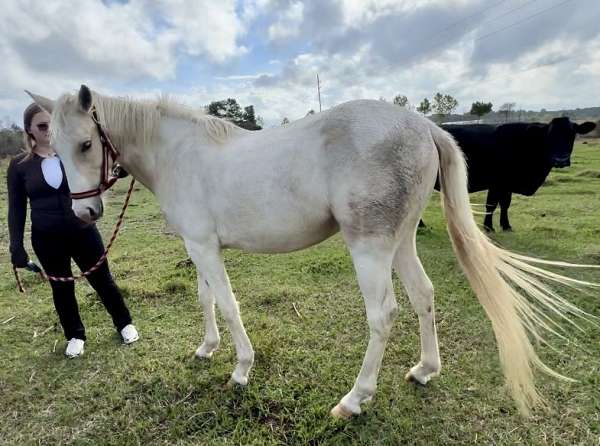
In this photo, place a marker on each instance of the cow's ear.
(584, 128)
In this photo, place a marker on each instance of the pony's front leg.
(211, 331)
(209, 263)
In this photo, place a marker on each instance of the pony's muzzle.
(89, 209)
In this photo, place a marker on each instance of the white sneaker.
(129, 334)
(74, 348)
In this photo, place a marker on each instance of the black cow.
(514, 158)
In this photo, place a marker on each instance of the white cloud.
(288, 23)
(357, 13)
(63, 35)
(205, 27)
(251, 9)
(52, 47)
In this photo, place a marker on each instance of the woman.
(57, 235)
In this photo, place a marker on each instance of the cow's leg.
(505, 198)
(490, 207)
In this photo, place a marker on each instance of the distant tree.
(230, 109)
(401, 100)
(480, 108)
(249, 114)
(249, 119)
(506, 109)
(260, 122)
(310, 112)
(444, 104)
(285, 121)
(424, 107)
(11, 139)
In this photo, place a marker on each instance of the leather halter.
(109, 153)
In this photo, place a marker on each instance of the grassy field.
(155, 392)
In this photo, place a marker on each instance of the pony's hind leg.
(211, 332)
(373, 264)
(420, 293)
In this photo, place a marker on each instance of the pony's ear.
(85, 98)
(45, 103)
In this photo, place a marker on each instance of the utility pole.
(319, 91)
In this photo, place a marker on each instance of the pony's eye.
(86, 146)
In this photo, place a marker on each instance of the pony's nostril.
(93, 213)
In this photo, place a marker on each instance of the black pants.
(84, 245)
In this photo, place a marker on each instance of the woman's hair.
(28, 139)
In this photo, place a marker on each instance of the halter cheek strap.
(109, 153)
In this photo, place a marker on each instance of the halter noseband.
(107, 178)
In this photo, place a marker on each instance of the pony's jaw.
(88, 209)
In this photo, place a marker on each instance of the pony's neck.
(139, 162)
(134, 127)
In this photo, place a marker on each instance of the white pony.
(365, 168)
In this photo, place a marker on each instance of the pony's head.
(75, 137)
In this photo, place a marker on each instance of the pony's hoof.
(204, 352)
(232, 383)
(421, 375)
(203, 355)
(341, 413)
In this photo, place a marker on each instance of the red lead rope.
(100, 260)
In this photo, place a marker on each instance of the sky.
(535, 53)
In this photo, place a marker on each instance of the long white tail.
(506, 284)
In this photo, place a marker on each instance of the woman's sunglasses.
(43, 127)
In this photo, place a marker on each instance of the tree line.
(442, 105)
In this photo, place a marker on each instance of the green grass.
(154, 392)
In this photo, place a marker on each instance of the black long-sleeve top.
(50, 208)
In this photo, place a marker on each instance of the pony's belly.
(278, 239)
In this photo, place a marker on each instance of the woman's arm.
(17, 212)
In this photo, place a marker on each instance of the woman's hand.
(19, 258)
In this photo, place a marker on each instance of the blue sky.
(536, 53)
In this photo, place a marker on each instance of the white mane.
(137, 122)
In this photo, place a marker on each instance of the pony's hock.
(363, 168)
